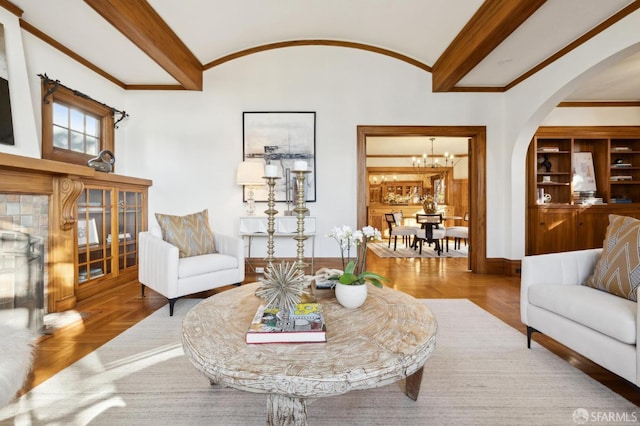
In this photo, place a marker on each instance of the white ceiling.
(419, 29)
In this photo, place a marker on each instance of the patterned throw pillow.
(191, 233)
(618, 270)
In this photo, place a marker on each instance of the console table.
(285, 226)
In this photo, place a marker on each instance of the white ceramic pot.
(351, 296)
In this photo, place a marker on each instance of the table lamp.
(250, 174)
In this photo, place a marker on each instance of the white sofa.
(162, 270)
(598, 325)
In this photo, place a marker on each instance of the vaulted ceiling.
(467, 45)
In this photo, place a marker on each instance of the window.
(74, 129)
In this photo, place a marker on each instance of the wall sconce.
(250, 174)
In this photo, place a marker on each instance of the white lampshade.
(250, 173)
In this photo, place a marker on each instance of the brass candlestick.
(301, 212)
(271, 212)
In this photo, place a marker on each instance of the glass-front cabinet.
(110, 216)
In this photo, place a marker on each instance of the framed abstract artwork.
(584, 175)
(281, 138)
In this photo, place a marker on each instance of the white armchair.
(162, 270)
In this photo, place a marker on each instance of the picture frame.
(584, 175)
(87, 232)
(281, 138)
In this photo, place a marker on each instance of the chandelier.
(421, 163)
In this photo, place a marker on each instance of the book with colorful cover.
(303, 324)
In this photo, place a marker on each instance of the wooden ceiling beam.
(494, 21)
(141, 24)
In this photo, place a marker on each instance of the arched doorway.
(477, 174)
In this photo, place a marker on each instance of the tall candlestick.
(300, 211)
(271, 212)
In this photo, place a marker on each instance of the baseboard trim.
(499, 266)
(503, 266)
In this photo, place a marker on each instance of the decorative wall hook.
(52, 85)
(123, 115)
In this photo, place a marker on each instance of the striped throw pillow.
(618, 269)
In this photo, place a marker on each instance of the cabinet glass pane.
(93, 229)
(129, 220)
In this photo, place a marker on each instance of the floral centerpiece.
(354, 242)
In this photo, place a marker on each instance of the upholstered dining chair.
(432, 231)
(458, 233)
(394, 222)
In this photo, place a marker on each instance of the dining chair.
(394, 222)
(458, 233)
(432, 231)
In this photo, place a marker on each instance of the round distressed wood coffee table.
(387, 339)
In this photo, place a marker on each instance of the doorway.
(477, 178)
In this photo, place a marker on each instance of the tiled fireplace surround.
(37, 198)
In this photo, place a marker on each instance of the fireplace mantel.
(63, 183)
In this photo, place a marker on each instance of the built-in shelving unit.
(562, 215)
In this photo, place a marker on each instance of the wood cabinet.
(566, 221)
(110, 216)
(395, 190)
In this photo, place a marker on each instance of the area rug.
(480, 373)
(382, 250)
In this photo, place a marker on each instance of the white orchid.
(354, 269)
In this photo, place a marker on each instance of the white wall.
(24, 125)
(189, 143)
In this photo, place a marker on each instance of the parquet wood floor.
(109, 314)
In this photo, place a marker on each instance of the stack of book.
(620, 200)
(304, 323)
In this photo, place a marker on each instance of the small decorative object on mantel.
(283, 286)
(103, 162)
(351, 289)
